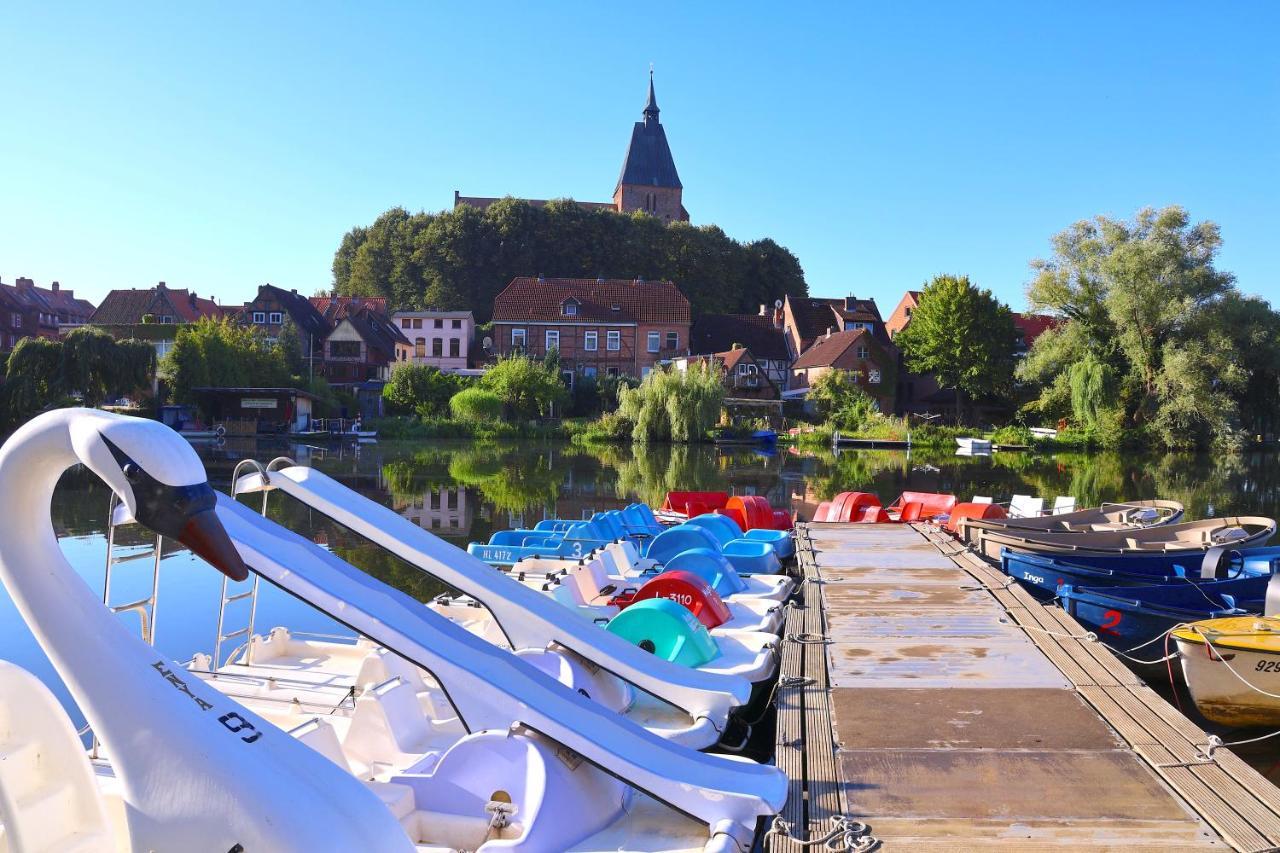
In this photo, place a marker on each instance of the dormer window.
(615, 307)
(569, 308)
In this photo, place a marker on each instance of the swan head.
(159, 478)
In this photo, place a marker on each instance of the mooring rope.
(846, 834)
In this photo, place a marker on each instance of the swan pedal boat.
(567, 774)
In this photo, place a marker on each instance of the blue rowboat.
(1043, 575)
(1125, 617)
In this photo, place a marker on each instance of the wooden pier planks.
(876, 761)
(1233, 798)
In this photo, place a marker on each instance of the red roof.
(336, 308)
(828, 348)
(531, 300)
(1033, 326)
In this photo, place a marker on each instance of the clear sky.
(220, 146)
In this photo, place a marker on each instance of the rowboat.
(1131, 617)
(1232, 668)
(1108, 516)
(1044, 575)
(1183, 539)
(973, 445)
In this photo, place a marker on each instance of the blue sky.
(219, 146)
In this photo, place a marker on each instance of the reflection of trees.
(856, 471)
(510, 480)
(655, 470)
(412, 476)
(1213, 484)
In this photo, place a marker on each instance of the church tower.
(649, 181)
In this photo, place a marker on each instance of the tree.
(289, 347)
(841, 400)
(221, 353)
(673, 405)
(526, 387)
(462, 258)
(421, 390)
(1180, 352)
(476, 405)
(962, 335)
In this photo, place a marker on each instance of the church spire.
(651, 108)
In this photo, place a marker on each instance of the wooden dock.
(926, 696)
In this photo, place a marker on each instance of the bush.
(526, 388)
(476, 405)
(608, 429)
(421, 390)
(1013, 434)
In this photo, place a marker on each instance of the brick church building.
(648, 181)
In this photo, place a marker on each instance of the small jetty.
(926, 696)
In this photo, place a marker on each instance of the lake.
(463, 491)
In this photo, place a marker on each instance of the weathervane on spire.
(651, 108)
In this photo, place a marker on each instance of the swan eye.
(131, 471)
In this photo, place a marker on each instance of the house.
(648, 181)
(440, 339)
(152, 314)
(31, 311)
(334, 308)
(358, 355)
(600, 327)
(856, 350)
(760, 333)
(274, 305)
(807, 318)
(740, 371)
(901, 315)
(1032, 326)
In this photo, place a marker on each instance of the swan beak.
(204, 534)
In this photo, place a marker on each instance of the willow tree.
(673, 405)
(962, 335)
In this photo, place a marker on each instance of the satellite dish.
(487, 344)
(777, 303)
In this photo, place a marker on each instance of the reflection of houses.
(440, 339)
(601, 327)
(857, 351)
(445, 511)
(760, 333)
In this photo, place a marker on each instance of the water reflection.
(464, 491)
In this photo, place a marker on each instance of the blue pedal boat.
(1043, 575)
(1126, 617)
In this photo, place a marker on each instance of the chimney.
(25, 283)
(294, 291)
(160, 286)
(830, 331)
(777, 318)
(639, 279)
(764, 310)
(542, 279)
(54, 287)
(850, 303)
(599, 279)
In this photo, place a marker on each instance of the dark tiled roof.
(826, 350)
(300, 309)
(128, 307)
(377, 331)
(713, 333)
(814, 315)
(649, 162)
(528, 299)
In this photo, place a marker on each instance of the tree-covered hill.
(462, 258)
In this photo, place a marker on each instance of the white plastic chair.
(981, 499)
(1063, 503)
(1025, 506)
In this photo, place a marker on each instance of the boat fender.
(690, 592)
(666, 630)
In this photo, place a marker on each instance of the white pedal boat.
(542, 767)
(625, 566)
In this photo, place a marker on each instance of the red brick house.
(760, 333)
(274, 305)
(601, 327)
(161, 309)
(807, 318)
(854, 350)
(30, 311)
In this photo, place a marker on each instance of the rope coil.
(845, 836)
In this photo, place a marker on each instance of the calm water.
(465, 491)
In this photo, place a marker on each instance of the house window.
(166, 319)
(420, 348)
(406, 323)
(873, 376)
(276, 318)
(863, 352)
(517, 338)
(655, 341)
(456, 324)
(613, 340)
(613, 372)
(570, 309)
(553, 339)
(673, 341)
(344, 349)
(645, 371)
(454, 346)
(437, 347)
(589, 371)
(258, 317)
(864, 326)
(417, 322)
(439, 323)
(591, 341)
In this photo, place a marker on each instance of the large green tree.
(962, 335)
(462, 258)
(222, 353)
(1155, 338)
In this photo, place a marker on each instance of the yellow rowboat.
(1232, 668)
